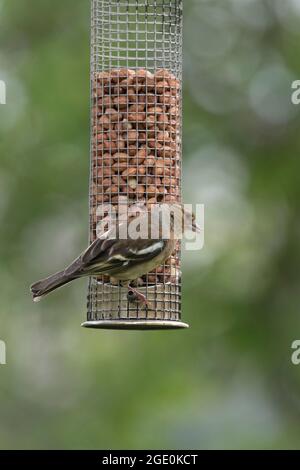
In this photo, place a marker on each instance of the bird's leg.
(137, 296)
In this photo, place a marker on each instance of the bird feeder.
(136, 148)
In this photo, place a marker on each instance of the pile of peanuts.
(136, 145)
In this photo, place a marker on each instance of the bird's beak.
(195, 227)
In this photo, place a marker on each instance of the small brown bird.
(126, 259)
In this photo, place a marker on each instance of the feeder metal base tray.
(135, 324)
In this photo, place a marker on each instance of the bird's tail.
(45, 286)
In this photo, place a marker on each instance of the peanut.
(130, 171)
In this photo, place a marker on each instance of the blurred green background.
(228, 381)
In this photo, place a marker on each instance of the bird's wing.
(107, 255)
(137, 250)
(94, 258)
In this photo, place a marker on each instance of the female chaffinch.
(126, 259)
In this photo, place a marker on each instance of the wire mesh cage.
(136, 149)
